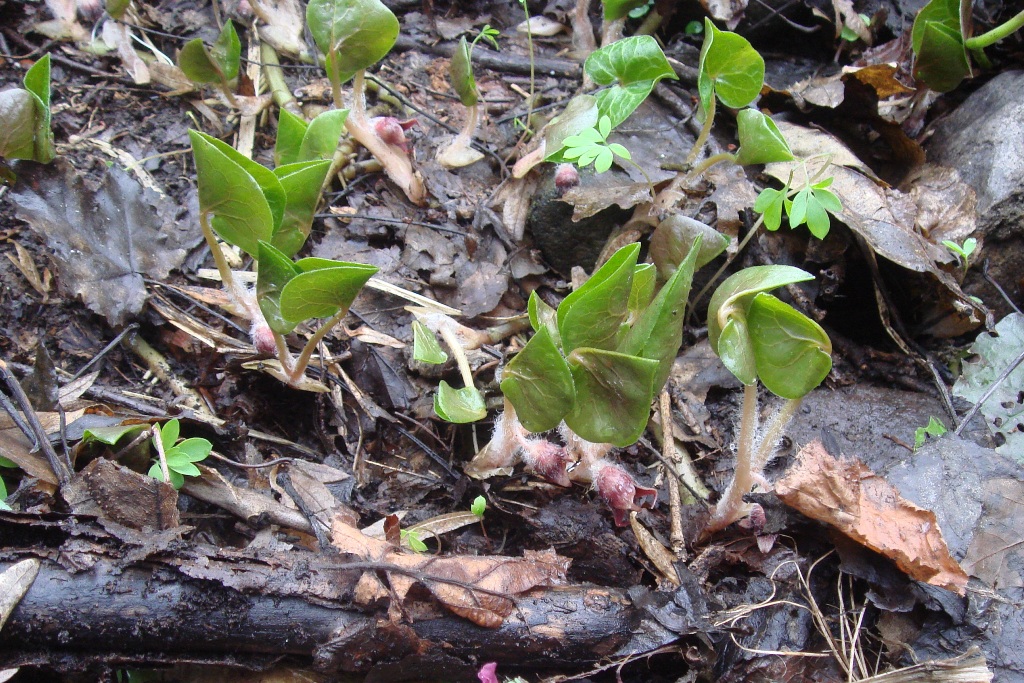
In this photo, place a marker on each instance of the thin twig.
(61, 467)
(988, 394)
(106, 349)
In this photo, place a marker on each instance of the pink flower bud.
(392, 131)
(488, 673)
(547, 460)
(566, 177)
(263, 338)
(621, 492)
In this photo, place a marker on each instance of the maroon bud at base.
(263, 338)
(566, 177)
(622, 493)
(488, 673)
(392, 131)
(547, 460)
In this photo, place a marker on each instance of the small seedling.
(758, 337)
(25, 119)
(354, 35)
(940, 40)
(479, 506)
(218, 63)
(459, 153)
(412, 538)
(962, 251)
(178, 458)
(934, 428)
(591, 146)
(851, 36)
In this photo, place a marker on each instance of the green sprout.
(353, 35)
(934, 428)
(218, 63)
(411, 537)
(176, 459)
(267, 214)
(479, 506)
(962, 252)
(459, 153)
(591, 146)
(25, 119)
(941, 42)
(848, 34)
(758, 337)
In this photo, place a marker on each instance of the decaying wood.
(120, 597)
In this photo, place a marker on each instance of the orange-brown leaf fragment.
(848, 496)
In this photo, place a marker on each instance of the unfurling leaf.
(615, 392)
(352, 34)
(461, 74)
(591, 316)
(729, 68)
(425, 347)
(792, 352)
(323, 289)
(761, 142)
(459, 406)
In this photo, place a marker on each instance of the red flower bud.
(566, 177)
(263, 338)
(392, 131)
(488, 673)
(547, 460)
(621, 492)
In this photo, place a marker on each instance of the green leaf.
(591, 316)
(658, 333)
(37, 82)
(538, 384)
(459, 406)
(168, 434)
(323, 292)
(353, 34)
(177, 481)
(5, 462)
(728, 330)
(268, 181)
(198, 64)
(413, 539)
(793, 353)
(301, 183)
(290, 131)
(950, 14)
(797, 209)
(640, 296)
(17, 124)
(425, 347)
(117, 8)
(110, 435)
(321, 138)
(942, 62)
(672, 240)
(542, 315)
(3, 496)
(933, 428)
(761, 141)
(579, 115)
(241, 213)
(817, 218)
(729, 68)
(617, 9)
(275, 271)
(614, 393)
(770, 203)
(632, 67)
(193, 449)
(479, 506)
(227, 51)
(461, 74)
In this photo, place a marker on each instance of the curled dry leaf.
(848, 496)
(481, 589)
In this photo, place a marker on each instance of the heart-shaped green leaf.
(323, 292)
(301, 183)
(591, 316)
(459, 406)
(952, 14)
(320, 139)
(17, 124)
(658, 333)
(353, 34)
(614, 393)
(37, 82)
(425, 347)
(219, 62)
(672, 242)
(942, 61)
(275, 271)
(269, 183)
(632, 67)
(729, 68)
(761, 141)
(579, 115)
(538, 383)
(290, 130)
(543, 316)
(241, 213)
(461, 74)
(793, 353)
(617, 9)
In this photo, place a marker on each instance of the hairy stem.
(996, 34)
(234, 290)
(299, 369)
(705, 132)
(731, 507)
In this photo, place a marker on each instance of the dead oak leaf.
(478, 588)
(105, 241)
(848, 496)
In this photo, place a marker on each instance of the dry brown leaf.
(118, 35)
(854, 500)
(15, 446)
(111, 491)
(245, 503)
(995, 552)
(27, 266)
(657, 553)
(481, 589)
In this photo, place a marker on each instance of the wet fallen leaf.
(854, 500)
(105, 242)
(481, 589)
(116, 493)
(996, 552)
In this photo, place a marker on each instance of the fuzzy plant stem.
(731, 507)
(234, 290)
(302, 361)
(705, 132)
(282, 94)
(460, 355)
(996, 34)
(772, 433)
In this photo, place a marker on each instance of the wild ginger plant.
(353, 35)
(25, 118)
(458, 152)
(592, 369)
(267, 214)
(759, 337)
(218, 63)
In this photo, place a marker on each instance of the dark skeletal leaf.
(104, 241)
